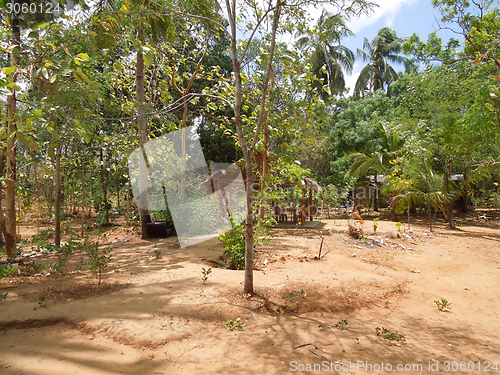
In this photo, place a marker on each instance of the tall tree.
(378, 74)
(329, 59)
(253, 18)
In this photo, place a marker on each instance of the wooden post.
(310, 204)
(303, 208)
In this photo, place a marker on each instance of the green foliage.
(375, 224)
(398, 225)
(294, 296)
(37, 268)
(205, 273)
(235, 325)
(3, 296)
(234, 242)
(342, 324)
(7, 270)
(42, 301)
(443, 304)
(378, 74)
(329, 59)
(388, 335)
(157, 254)
(98, 260)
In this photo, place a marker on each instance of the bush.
(234, 242)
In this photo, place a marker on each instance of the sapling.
(205, 273)
(98, 261)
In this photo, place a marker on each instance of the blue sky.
(404, 16)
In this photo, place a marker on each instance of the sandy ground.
(154, 315)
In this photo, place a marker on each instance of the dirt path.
(155, 315)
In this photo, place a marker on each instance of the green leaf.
(9, 70)
(32, 145)
(37, 113)
(55, 135)
(80, 76)
(148, 59)
(22, 138)
(52, 153)
(45, 73)
(83, 57)
(12, 85)
(33, 34)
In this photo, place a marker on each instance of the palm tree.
(385, 48)
(379, 161)
(328, 58)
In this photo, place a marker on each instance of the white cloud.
(387, 9)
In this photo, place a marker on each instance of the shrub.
(234, 242)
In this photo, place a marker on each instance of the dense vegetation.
(82, 88)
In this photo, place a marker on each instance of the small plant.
(387, 304)
(56, 267)
(205, 273)
(293, 296)
(398, 225)
(37, 268)
(98, 261)
(375, 224)
(388, 335)
(7, 270)
(3, 296)
(157, 254)
(235, 325)
(342, 324)
(442, 305)
(321, 325)
(234, 242)
(42, 301)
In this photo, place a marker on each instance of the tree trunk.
(428, 193)
(57, 219)
(375, 198)
(248, 151)
(143, 134)
(83, 193)
(448, 200)
(464, 206)
(2, 216)
(10, 188)
(265, 161)
(118, 194)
